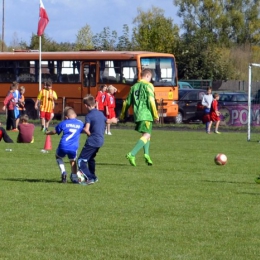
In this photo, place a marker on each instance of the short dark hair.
(48, 83)
(89, 100)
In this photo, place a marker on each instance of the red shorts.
(214, 117)
(112, 113)
(45, 115)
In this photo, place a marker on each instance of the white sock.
(61, 165)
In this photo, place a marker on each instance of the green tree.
(47, 43)
(105, 40)
(154, 32)
(199, 60)
(84, 38)
(223, 22)
(50, 45)
(124, 42)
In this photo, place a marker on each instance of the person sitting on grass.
(26, 130)
(69, 143)
(4, 135)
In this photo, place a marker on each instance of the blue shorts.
(61, 153)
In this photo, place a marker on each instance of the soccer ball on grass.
(81, 177)
(220, 159)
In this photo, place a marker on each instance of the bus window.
(7, 71)
(163, 69)
(114, 71)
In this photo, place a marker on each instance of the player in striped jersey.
(46, 97)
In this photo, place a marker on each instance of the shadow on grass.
(230, 182)
(249, 193)
(113, 164)
(30, 180)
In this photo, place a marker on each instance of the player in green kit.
(141, 97)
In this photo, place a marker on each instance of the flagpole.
(40, 62)
(42, 23)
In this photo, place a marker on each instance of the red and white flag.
(43, 20)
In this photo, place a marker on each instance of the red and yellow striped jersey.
(46, 98)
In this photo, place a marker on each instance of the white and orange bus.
(75, 74)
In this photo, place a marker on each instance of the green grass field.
(182, 207)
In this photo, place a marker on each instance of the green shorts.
(144, 127)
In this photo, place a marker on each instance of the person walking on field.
(206, 102)
(214, 114)
(46, 97)
(141, 97)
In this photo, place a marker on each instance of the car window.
(181, 93)
(193, 95)
(225, 97)
(186, 86)
(241, 98)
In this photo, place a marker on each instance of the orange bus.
(76, 74)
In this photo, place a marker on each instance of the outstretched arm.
(53, 132)
(112, 121)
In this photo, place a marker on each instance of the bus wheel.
(178, 119)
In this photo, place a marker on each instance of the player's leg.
(108, 129)
(84, 157)
(144, 127)
(13, 120)
(92, 165)
(72, 155)
(60, 154)
(216, 127)
(112, 115)
(5, 136)
(147, 153)
(206, 114)
(47, 120)
(209, 127)
(42, 117)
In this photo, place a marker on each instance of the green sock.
(141, 142)
(147, 147)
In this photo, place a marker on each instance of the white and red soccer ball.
(220, 159)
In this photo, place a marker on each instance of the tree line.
(217, 39)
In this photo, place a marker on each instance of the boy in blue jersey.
(95, 125)
(69, 143)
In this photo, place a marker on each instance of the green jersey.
(141, 97)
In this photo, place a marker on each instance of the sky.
(67, 17)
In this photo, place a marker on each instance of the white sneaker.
(109, 133)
